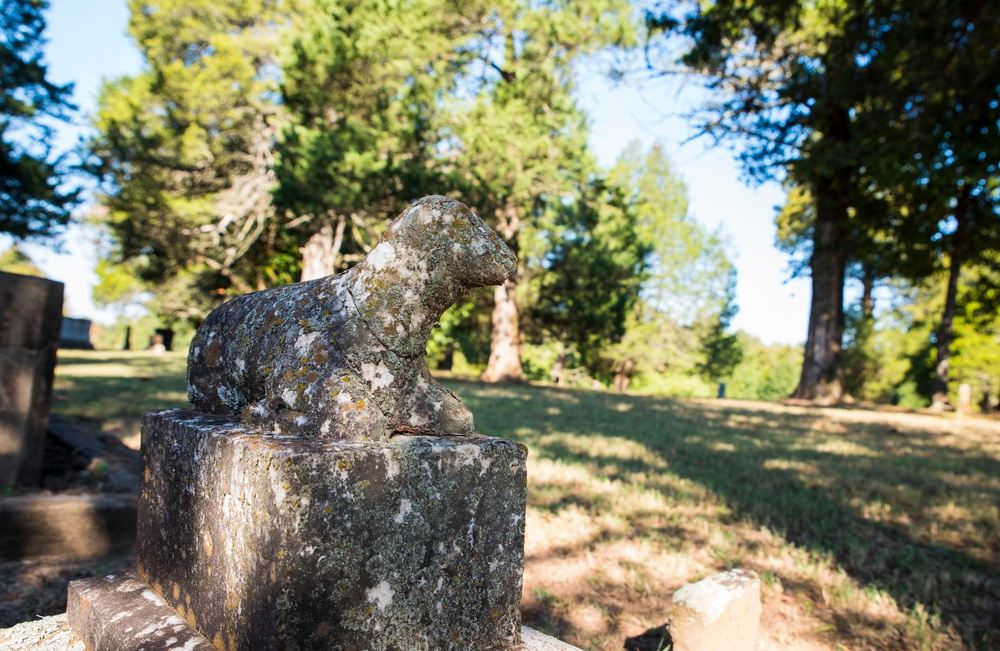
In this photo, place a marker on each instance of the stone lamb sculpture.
(341, 357)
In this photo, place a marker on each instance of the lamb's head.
(463, 248)
(430, 256)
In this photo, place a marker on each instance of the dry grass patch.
(870, 530)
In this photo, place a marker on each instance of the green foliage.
(32, 204)
(894, 354)
(722, 352)
(677, 384)
(117, 284)
(361, 83)
(861, 362)
(514, 132)
(686, 299)
(591, 274)
(184, 147)
(463, 329)
(15, 261)
(837, 98)
(764, 372)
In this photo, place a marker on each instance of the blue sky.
(88, 43)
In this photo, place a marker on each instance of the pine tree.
(185, 147)
(32, 203)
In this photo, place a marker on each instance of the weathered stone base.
(274, 542)
(124, 614)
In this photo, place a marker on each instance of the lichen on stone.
(341, 357)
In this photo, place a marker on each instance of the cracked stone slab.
(122, 613)
(263, 541)
(341, 357)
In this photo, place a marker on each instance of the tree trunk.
(558, 373)
(319, 255)
(448, 359)
(867, 287)
(946, 331)
(505, 341)
(623, 378)
(822, 376)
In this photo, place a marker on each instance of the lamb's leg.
(434, 406)
(342, 409)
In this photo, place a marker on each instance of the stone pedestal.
(272, 542)
(30, 321)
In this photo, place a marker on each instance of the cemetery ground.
(869, 529)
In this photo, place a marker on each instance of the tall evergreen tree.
(362, 86)
(32, 203)
(940, 160)
(837, 95)
(591, 274)
(686, 298)
(185, 147)
(516, 137)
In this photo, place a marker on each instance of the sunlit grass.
(869, 530)
(108, 391)
(873, 530)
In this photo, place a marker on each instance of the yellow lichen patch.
(177, 591)
(218, 642)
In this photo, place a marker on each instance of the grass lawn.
(870, 530)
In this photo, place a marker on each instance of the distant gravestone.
(30, 323)
(329, 493)
(156, 345)
(166, 336)
(75, 333)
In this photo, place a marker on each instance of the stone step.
(123, 613)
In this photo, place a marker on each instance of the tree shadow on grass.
(872, 494)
